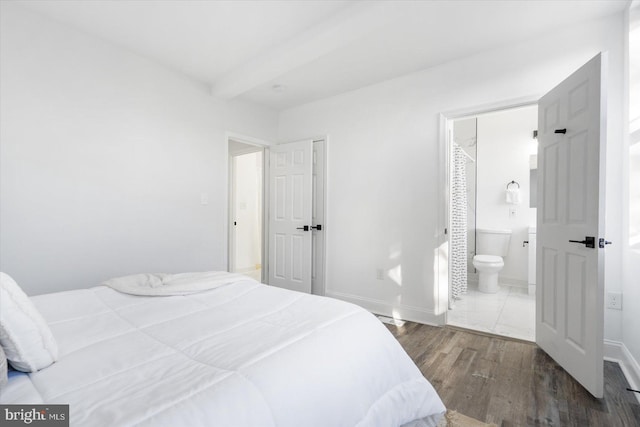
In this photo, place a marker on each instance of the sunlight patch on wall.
(395, 252)
(441, 278)
(396, 315)
(395, 274)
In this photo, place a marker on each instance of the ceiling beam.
(351, 24)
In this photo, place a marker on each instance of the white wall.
(248, 120)
(505, 142)
(631, 209)
(383, 161)
(104, 157)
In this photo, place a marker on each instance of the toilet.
(492, 245)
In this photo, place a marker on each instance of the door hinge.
(445, 231)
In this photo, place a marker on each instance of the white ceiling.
(313, 49)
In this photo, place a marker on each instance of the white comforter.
(244, 354)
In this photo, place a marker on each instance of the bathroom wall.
(505, 144)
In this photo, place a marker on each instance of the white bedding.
(172, 284)
(244, 354)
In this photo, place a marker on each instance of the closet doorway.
(246, 209)
(253, 234)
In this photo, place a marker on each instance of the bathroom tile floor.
(510, 312)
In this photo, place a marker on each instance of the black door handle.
(588, 241)
(317, 227)
(305, 228)
(560, 131)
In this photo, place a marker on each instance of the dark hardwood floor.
(512, 383)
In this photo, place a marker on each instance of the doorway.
(246, 209)
(492, 214)
(252, 237)
(570, 204)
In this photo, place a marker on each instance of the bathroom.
(492, 222)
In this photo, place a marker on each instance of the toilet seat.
(488, 259)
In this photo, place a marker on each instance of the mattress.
(245, 354)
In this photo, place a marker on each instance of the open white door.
(570, 258)
(290, 189)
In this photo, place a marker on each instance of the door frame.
(322, 283)
(260, 145)
(443, 273)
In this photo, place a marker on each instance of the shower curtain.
(459, 223)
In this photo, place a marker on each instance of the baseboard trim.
(516, 283)
(615, 351)
(401, 311)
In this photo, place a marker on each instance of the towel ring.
(511, 183)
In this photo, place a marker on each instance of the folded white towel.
(513, 196)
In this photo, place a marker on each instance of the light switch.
(204, 199)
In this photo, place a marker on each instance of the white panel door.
(290, 192)
(570, 263)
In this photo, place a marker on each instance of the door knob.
(589, 241)
(317, 227)
(602, 242)
(305, 228)
(560, 131)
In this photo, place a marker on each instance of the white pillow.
(24, 335)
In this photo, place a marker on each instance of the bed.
(242, 354)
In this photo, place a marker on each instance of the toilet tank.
(492, 242)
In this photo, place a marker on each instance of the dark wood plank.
(512, 383)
